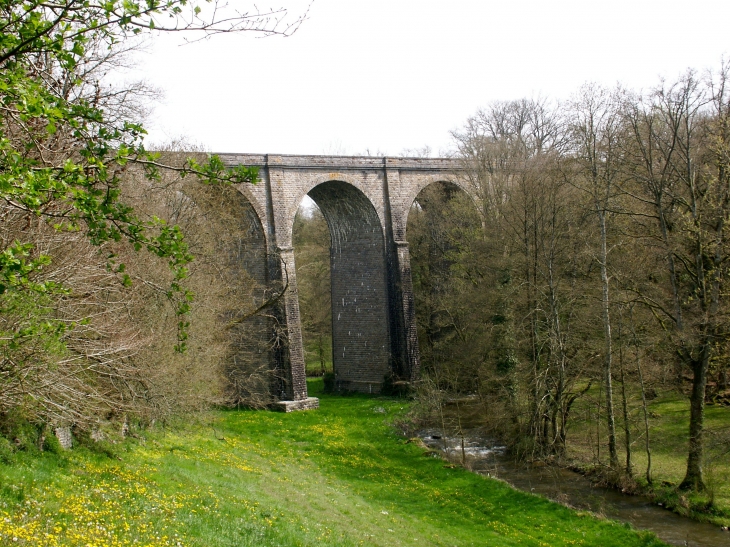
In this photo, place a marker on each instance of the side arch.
(444, 228)
(256, 198)
(420, 184)
(233, 233)
(447, 185)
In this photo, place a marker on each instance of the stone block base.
(310, 403)
(63, 434)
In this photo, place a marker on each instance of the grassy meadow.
(337, 476)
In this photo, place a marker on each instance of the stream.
(570, 488)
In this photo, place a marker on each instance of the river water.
(572, 489)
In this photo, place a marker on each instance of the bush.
(51, 443)
(6, 450)
(24, 434)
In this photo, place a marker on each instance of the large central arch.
(360, 334)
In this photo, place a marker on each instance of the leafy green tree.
(68, 146)
(62, 154)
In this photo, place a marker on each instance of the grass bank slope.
(337, 476)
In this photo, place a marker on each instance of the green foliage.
(61, 157)
(26, 307)
(16, 270)
(51, 443)
(6, 450)
(25, 435)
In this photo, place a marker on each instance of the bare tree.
(594, 166)
(679, 168)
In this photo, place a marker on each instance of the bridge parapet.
(343, 162)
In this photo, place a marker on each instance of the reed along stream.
(564, 486)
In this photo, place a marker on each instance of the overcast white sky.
(389, 75)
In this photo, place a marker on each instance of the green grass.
(336, 476)
(313, 367)
(669, 427)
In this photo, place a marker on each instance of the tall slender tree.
(594, 166)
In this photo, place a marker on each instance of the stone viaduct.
(365, 201)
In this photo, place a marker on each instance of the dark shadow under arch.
(444, 229)
(440, 192)
(236, 238)
(250, 370)
(360, 322)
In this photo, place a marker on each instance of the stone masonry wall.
(360, 338)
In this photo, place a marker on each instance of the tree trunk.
(598, 421)
(646, 420)
(536, 417)
(607, 379)
(627, 425)
(693, 477)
